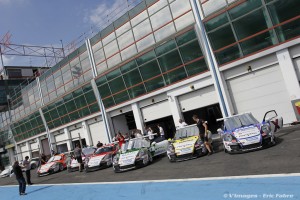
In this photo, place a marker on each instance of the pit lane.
(282, 158)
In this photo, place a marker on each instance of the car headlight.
(116, 159)
(106, 158)
(140, 154)
(265, 130)
(87, 159)
(171, 148)
(53, 166)
(229, 138)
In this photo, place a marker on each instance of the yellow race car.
(186, 145)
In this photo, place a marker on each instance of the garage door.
(261, 91)
(24, 151)
(156, 111)
(61, 138)
(98, 132)
(34, 146)
(198, 99)
(297, 67)
(74, 134)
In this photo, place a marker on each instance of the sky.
(46, 22)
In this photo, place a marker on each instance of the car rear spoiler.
(222, 119)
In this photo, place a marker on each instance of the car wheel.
(61, 167)
(150, 158)
(33, 166)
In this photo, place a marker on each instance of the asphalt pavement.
(280, 159)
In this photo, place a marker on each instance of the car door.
(275, 121)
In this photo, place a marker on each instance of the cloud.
(106, 12)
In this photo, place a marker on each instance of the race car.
(186, 144)
(8, 171)
(102, 158)
(74, 165)
(243, 132)
(138, 153)
(55, 164)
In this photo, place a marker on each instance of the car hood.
(5, 172)
(128, 157)
(185, 145)
(245, 132)
(96, 160)
(46, 167)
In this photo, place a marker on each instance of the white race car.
(138, 153)
(7, 172)
(243, 132)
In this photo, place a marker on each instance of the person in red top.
(120, 139)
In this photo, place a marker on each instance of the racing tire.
(61, 167)
(150, 158)
(33, 166)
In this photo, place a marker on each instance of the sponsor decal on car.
(185, 146)
(46, 167)
(128, 158)
(246, 132)
(95, 161)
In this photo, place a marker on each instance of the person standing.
(43, 159)
(120, 139)
(27, 167)
(161, 131)
(203, 133)
(150, 134)
(20, 178)
(78, 155)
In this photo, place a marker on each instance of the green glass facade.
(252, 26)
(174, 60)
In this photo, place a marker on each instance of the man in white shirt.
(182, 123)
(27, 167)
(161, 131)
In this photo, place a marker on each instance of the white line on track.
(173, 180)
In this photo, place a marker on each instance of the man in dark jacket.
(20, 178)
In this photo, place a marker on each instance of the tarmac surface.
(282, 158)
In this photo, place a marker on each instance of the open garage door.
(156, 111)
(98, 132)
(261, 91)
(198, 99)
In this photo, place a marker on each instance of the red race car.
(55, 164)
(102, 158)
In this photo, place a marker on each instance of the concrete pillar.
(138, 118)
(175, 109)
(69, 139)
(87, 134)
(289, 74)
(28, 146)
(11, 155)
(40, 145)
(19, 154)
(224, 99)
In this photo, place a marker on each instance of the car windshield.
(88, 151)
(104, 150)
(186, 132)
(239, 121)
(136, 143)
(54, 158)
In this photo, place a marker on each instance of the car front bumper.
(178, 158)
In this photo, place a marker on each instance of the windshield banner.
(128, 158)
(95, 161)
(185, 146)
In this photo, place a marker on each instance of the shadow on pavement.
(42, 188)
